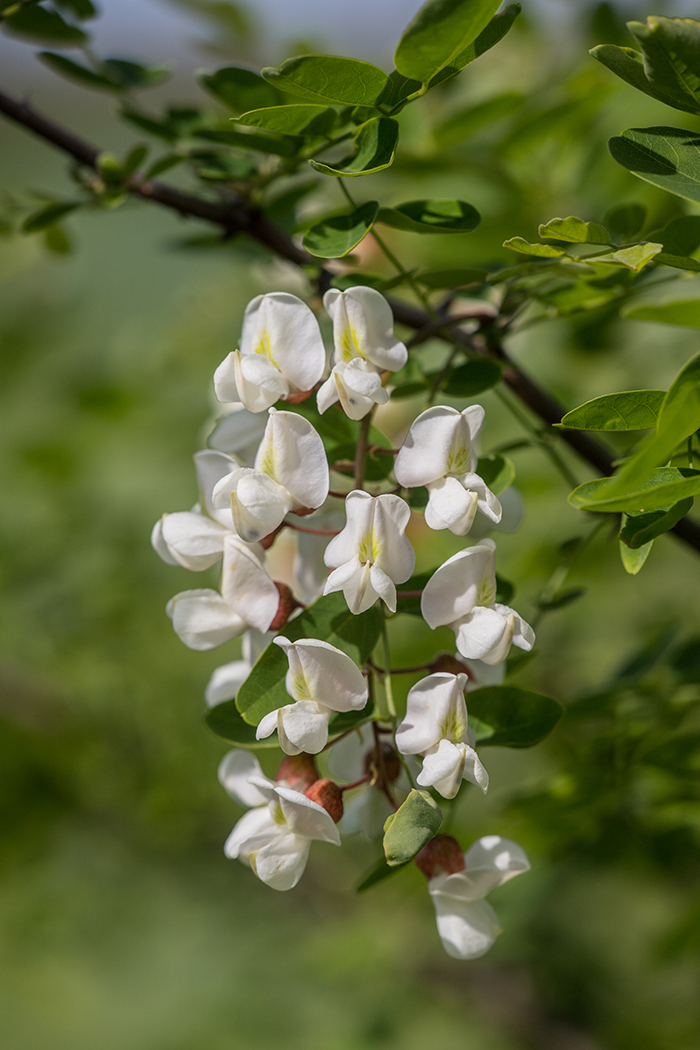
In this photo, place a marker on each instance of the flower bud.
(449, 664)
(442, 854)
(287, 605)
(298, 772)
(326, 793)
(386, 767)
(299, 396)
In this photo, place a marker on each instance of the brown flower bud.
(299, 396)
(448, 664)
(298, 772)
(385, 766)
(286, 607)
(326, 793)
(442, 854)
(267, 541)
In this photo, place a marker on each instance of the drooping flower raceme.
(322, 680)
(440, 452)
(372, 553)
(205, 618)
(462, 595)
(226, 680)
(467, 924)
(274, 838)
(290, 473)
(436, 727)
(365, 346)
(281, 354)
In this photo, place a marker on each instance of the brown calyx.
(326, 793)
(442, 854)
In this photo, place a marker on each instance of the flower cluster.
(268, 472)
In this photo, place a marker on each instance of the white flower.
(238, 432)
(365, 346)
(274, 838)
(322, 680)
(367, 807)
(310, 571)
(205, 618)
(290, 473)
(436, 727)
(281, 355)
(372, 553)
(467, 924)
(228, 679)
(462, 595)
(513, 510)
(440, 452)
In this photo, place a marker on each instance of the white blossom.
(441, 452)
(226, 680)
(372, 553)
(275, 836)
(366, 807)
(321, 680)
(281, 354)
(290, 474)
(436, 727)
(365, 346)
(310, 571)
(238, 432)
(467, 924)
(461, 594)
(204, 618)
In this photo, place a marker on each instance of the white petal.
(306, 726)
(225, 380)
(225, 682)
(363, 326)
(467, 929)
(354, 405)
(485, 634)
(258, 384)
(435, 709)
(253, 831)
(347, 757)
(489, 504)
(307, 818)
(359, 510)
(211, 466)
(247, 587)
(327, 394)
(361, 378)
(234, 773)
(383, 586)
(267, 725)
(354, 581)
(523, 634)
(203, 620)
(328, 676)
(284, 330)
(396, 555)
(239, 433)
(484, 674)
(158, 543)
(474, 416)
(491, 861)
(310, 572)
(292, 454)
(437, 444)
(450, 506)
(282, 862)
(442, 768)
(194, 540)
(258, 506)
(465, 580)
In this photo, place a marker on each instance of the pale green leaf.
(411, 828)
(542, 251)
(375, 145)
(635, 258)
(629, 410)
(305, 120)
(330, 78)
(440, 31)
(633, 560)
(574, 230)
(662, 488)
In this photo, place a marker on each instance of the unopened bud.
(298, 772)
(385, 766)
(449, 665)
(442, 854)
(301, 395)
(326, 793)
(286, 607)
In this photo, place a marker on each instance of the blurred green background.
(122, 924)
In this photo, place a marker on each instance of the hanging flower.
(290, 474)
(322, 680)
(365, 346)
(372, 553)
(461, 594)
(440, 452)
(436, 727)
(228, 679)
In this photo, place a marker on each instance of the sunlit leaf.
(666, 157)
(664, 487)
(431, 216)
(440, 31)
(375, 145)
(330, 78)
(543, 251)
(337, 235)
(506, 716)
(292, 120)
(574, 230)
(629, 410)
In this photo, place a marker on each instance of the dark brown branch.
(238, 216)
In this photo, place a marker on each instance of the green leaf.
(574, 230)
(626, 220)
(48, 215)
(337, 235)
(472, 379)
(57, 240)
(665, 157)
(378, 873)
(505, 590)
(488, 38)
(462, 125)
(671, 53)
(512, 717)
(685, 312)
(431, 216)
(76, 73)
(375, 145)
(411, 828)
(635, 257)
(633, 560)
(440, 32)
(329, 619)
(163, 164)
(562, 599)
(497, 471)
(664, 487)
(681, 236)
(450, 278)
(38, 24)
(638, 529)
(225, 721)
(279, 145)
(330, 78)
(292, 120)
(677, 261)
(543, 251)
(629, 410)
(400, 88)
(80, 8)
(240, 89)
(132, 75)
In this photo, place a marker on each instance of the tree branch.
(237, 215)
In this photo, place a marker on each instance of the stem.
(313, 532)
(356, 783)
(543, 443)
(361, 449)
(388, 689)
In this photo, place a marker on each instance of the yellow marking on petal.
(277, 814)
(267, 462)
(454, 726)
(486, 595)
(300, 687)
(348, 343)
(459, 458)
(263, 345)
(369, 548)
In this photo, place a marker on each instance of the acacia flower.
(461, 594)
(274, 838)
(372, 553)
(205, 618)
(226, 680)
(458, 883)
(290, 473)
(365, 346)
(322, 680)
(440, 452)
(281, 354)
(436, 727)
